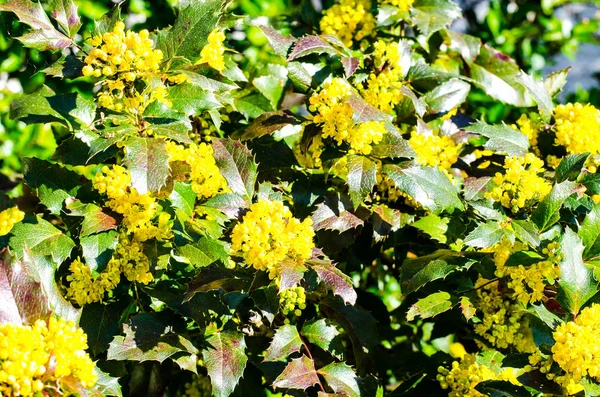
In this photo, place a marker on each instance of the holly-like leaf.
(300, 373)
(225, 359)
(434, 226)
(106, 385)
(267, 124)
(432, 15)
(42, 238)
(570, 167)
(430, 306)
(310, 45)
(427, 186)
(148, 337)
(467, 308)
(100, 322)
(334, 279)
(589, 232)
(189, 33)
(527, 232)
(342, 379)
(549, 318)
(335, 214)
(272, 85)
(501, 138)
(324, 335)
(280, 44)
(65, 14)
(485, 235)
(285, 342)
(350, 65)
(238, 167)
(392, 146)
(291, 273)
(95, 220)
(523, 258)
(415, 273)
(446, 96)
(547, 212)
(539, 93)
(267, 301)
(98, 248)
(147, 161)
(187, 100)
(361, 178)
(554, 82)
(576, 284)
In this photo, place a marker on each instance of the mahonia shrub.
(318, 216)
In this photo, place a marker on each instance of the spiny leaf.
(485, 235)
(285, 342)
(430, 306)
(280, 44)
(300, 373)
(467, 308)
(539, 93)
(500, 388)
(434, 226)
(42, 238)
(335, 214)
(65, 14)
(98, 248)
(501, 138)
(334, 279)
(361, 178)
(432, 15)
(547, 212)
(95, 220)
(310, 45)
(147, 161)
(590, 233)
(292, 273)
(523, 258)
(341, 378)
(554, 82)
(100, 322)
(225, 359)
(446, 96)
(570, 167)
(324, 335)
(106, 385)
(420, 271)
(267, 124)
(237, 166)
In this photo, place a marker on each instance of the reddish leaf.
(334, 214)
(350, 65)
(291, 274)
(310, 45)
(342, 379)
(299, 374)
(285, 342)
(268, 123)
(281, 44)
(334, 279)
(225, 359)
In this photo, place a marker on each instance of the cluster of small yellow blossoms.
(382, 88)
(520, 186)
(212, 53)
(199, 387)
(527, 282)
(138, 210)
(531, 129)
(576, 349)
(205, 176)
(577, 128)
(124, 59)
(8, 218)
(404, 5)
(434, 150)
(269, 235)
(43, 355)
(292, 300)
(128, 259)
(335, 116)
(503, 323)
(466, 374)
(349, 20)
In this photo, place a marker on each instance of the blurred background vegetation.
(542, 36)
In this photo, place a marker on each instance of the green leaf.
(335, 214)
(434, 226)
(98, 248)
(67, 66)
(501, 138)
(427, 186)
(361, 178)
(324, 335)
(106, 385)
(526, 231)
(310, 45)
(547, 212)
(281, 44)
(468, 46)
(590, 233)
(430, 306)
(225, 359)
(300, 373)
(292, 273)
(556, 81)
(285, 342)
(539, 93)
(185, 99)
(392, 146)
(65, 14)
(549, 318)
(95, 220)
(446, 96)
(189, 33)
(485, 235)
(334, 279)
(467, 308)
(576, 284)
(271, 87)
(570, 167)
(43, 35)
(591, 183)
(100, 322)
(475, 188)
(202, 253)
(267, 301)
(501, 388)
(496, 74)
(52, 183)
(524, 258)
(267, 124)
(42, 238)
(147, 161)
(237, 166)
(148, 337)
(341, 378)
(183, 197)
(432, 15)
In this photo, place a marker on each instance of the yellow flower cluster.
(435, 151)
(199, 387)
(520, 186)
(128, 259)
(138, 210)
(576, 349)
(335, 116)
(531, 129)
(404, 5)
(270, 235)
(123, 59)
(464, 376)
(43, 355)
(527, 282)
(8, 218)
(292, 300)
(577, 128)
(212, 53)
(205, 176)
(349, 20)
(382, 89)
(503, 323)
